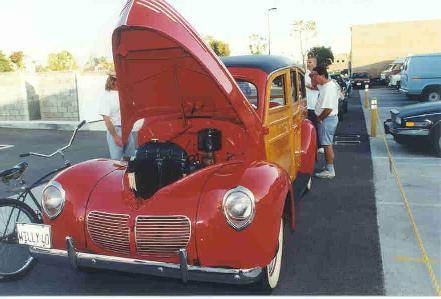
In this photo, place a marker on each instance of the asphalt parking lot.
(335, 250)
(406, 231)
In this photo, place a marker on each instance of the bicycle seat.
(13, 173)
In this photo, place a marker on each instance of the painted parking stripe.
(5, 146)
(422, 205)
(408, 259)
(425, 257)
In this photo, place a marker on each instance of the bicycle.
(15, 259)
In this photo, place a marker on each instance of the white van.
(421, 76)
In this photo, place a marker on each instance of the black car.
(413, 122)
(359, 80)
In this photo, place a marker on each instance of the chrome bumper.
(181, 271)
(390, 129)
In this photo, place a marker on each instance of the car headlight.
(53, 201)
(239, 207)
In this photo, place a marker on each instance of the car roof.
(266, 63)
(425, 55)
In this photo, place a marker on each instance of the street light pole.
(269, 29)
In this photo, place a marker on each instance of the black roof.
(266, 63)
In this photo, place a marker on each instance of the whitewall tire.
(271, 273)
(309, 185)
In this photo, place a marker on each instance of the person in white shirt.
(326, 110)
(311, 91)
(109, 109)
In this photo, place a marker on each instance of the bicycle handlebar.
(81, 124)
(60, 150)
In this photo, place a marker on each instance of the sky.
(84, 27)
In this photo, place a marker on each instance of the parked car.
(394, 81)
(211, 190)
(391, 69)
(385, 73)
(419, 122)
(421, 76)
(359, 80)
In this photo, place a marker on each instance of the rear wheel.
(432, 95)
(15, 259)
(271, 273)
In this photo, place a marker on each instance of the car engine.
(158, 164)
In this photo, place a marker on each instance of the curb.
(52, 125)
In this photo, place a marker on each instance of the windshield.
(360, 75)
(250, 92)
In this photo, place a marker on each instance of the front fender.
(78, 182)
(220, 245)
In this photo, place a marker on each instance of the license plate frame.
(36, 235)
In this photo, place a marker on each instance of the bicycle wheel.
(15, 259)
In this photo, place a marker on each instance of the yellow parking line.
(425, 258)
(408, 259)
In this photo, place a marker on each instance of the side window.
(294, 84)
(302, 85)
(250, 92)
(277, 92)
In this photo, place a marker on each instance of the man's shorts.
(326, 130)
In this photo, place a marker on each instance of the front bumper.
(180, 271)
(389, 128)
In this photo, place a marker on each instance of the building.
(341, 62)
(376, 45)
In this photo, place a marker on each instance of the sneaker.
(325, 174)
(321, 150)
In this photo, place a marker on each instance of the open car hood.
(166, 71)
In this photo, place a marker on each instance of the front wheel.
(15, 259)
(271, 273)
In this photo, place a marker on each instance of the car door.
(279, 142)
(297, 110)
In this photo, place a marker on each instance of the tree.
(99, 64)
(219, 47)
(324, 55)
(17, 58)
(304, 30)
(40, 68)
(257, 44)
(62, 61)
(5, 63)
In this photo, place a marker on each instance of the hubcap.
(434, 96)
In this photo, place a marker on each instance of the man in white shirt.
(110, 111)
(326, 110)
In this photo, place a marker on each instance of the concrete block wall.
(39, 96)
(58, 96)
(13, 98)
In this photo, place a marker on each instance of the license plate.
(37, 235)
(359, 84)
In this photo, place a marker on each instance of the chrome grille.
(161, 235)
(109, 231)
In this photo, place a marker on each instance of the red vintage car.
(224, 151)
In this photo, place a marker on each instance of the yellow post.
(374, 117)
(366, 96)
